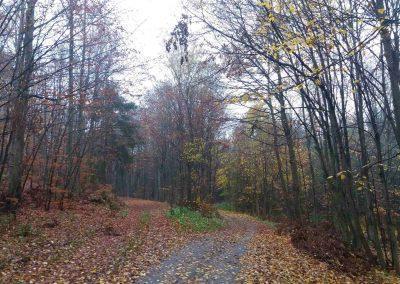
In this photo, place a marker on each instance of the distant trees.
(181, 126)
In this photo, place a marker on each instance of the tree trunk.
(20, 106)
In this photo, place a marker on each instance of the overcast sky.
(149, 23)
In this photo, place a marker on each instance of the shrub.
(194, 220)
(105, 195)
(8, 205)
(25, 230)
(52, 223)
(110, 230)
(206, 209)
(124, 213)
(3, 262)
(114, 205)
(5, 221)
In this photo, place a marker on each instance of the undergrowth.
(105, 196)
(26, 230)
(6, 221)
(144, 219)
(194, 220)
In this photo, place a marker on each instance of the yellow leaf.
(271, 18)
(299, 87)
(381, 11)
(342, 175)
(234, 100)
(245, 98)
(310, 41)
(311, 22)
(265, 4)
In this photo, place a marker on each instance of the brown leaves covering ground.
(272, 258)
(91, 244)
(88, 243)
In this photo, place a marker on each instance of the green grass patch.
(317, 218)
(144, 219)
(25, 230)
(124, 213)
(194, 220)
(269, 223)
(226, 206)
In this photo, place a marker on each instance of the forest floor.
(88, 243)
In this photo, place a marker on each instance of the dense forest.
(284, 110)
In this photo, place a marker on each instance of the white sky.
(149, 23)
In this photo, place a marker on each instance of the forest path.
(213, 259)
(90, 243)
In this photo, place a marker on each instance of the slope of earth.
(272, 258)
(87, 244)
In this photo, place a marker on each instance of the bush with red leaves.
(206, 209)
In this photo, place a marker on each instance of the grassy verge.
(269, 223)
(194, 220)
(226, 206)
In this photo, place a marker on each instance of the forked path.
(213, 259)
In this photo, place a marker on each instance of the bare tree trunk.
(71, 107)
(82, 99)
(391, 56)
(278, 155)
(371, 216)
(20, 106)
(295, 194)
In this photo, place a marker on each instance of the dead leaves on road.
(212, 258)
